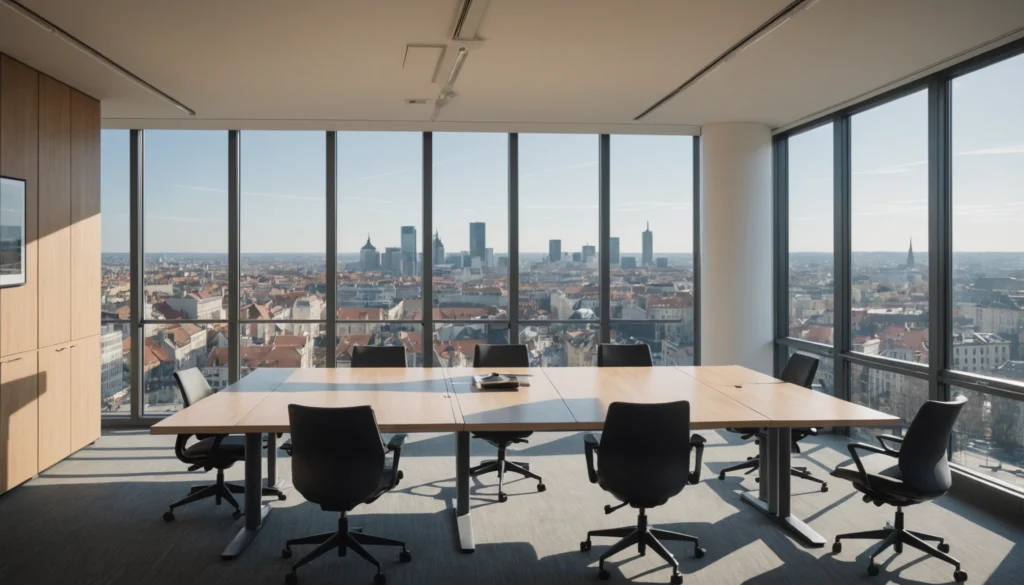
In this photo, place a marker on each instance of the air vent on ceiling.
(416, 101)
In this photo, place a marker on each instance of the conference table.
(410, 400)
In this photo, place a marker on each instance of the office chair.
(208, 452)
(497, 357)
(340, 462)
(643, 460)
(799, 370)
(919, 474)
(373, 356)
(610, 355)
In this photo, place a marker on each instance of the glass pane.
(115, 197)
(988, 212)
(380, 194)
(668, 347)
(115, 370)
(558, 227)
(471, 224)
(561, 344)
(888, 392)
(408, 334)
(811, 221)
(280, 345)
(171, 347)
(454, 343)
(283, 228)
(825, 377)
(989, 436)
(889, 150)
(186, 218)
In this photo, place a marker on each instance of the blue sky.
(379, 183)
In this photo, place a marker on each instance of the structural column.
(736, 245)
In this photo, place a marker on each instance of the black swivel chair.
(209, 451)
(799, 370)
(497, 357)
(339, 462)
(643, 459)
(610, 355)
(371, 356)
(919, 474)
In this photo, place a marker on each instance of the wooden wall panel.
(85, 391)
(54, 383)
(85, 216)
(54, 212)
(19, 157)
(19, 419)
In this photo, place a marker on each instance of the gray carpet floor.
(96, 518)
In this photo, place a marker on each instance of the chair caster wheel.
(281, 497)
(873, 570)
(721, 477)
(604, 575)
(286, 553)
(585, 546)
(677, 579)
(291, 578)
(379, 579)
(405, 556)
(502, 498)
(237, 514)
(757, 480)
(699, 552)
(943, 547)
(541, 487)
(837, 548)
(824, 487)
(168, 516)
(959, 576)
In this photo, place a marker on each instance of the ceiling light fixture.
(94, 54)
(460, 58)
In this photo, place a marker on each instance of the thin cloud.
(201, 188)
(282, 196)
(592, 163)
(184, 219)
(558, 207)
(1010, 149)
(369, 199)
(406, 170)
(893, 169)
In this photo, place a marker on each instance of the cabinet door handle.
(73, 345)
(12, 360)
(60, 349)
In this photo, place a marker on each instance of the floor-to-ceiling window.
(115, 312)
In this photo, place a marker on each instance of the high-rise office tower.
(392, 261)
(647, 258)
(661, 262)
(438, 250)
(478, 239)
(613, 251)
(554, 250)
(369, 259)
(409, 250)
(488, 257)
(588, 253)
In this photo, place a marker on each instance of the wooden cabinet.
(85, 391)
(19, 419)
(85, 216)
(54, 212)
(54, 383)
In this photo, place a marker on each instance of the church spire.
(910, 254)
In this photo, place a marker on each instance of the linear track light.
(94, 54)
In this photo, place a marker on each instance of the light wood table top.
(789, 405)
(537, 407)
(717, 375)
(588, 392)
(218, 414)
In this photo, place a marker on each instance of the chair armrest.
(883, 438)
(852, 447)
(697, 442)
(396, 442)
(395, 446)
(591, 444)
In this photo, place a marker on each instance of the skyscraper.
(554, 250)
(613, 251)
(478, 239)
(409, 250)
(910, 255)
(392, 261)
(369, 259)
(647, 258)
(588, 253)
(488, 257)
(438, 250)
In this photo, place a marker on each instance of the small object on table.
(496, 381)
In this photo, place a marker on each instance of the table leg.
(775, 471)
(255, 511)
(271, 459)
(463, 520)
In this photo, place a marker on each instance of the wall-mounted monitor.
(12, 232)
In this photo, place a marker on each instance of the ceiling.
(534, 65)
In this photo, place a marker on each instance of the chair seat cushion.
(885, 479)
(232, 448)
(498, 438)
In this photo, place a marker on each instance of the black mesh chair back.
(922, 459)
(501, 356)
(610, 355)
(337, 455)
(644, 457)
(800, 370)
(371, 356)
(193, 386)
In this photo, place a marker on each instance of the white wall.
(736, 245)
